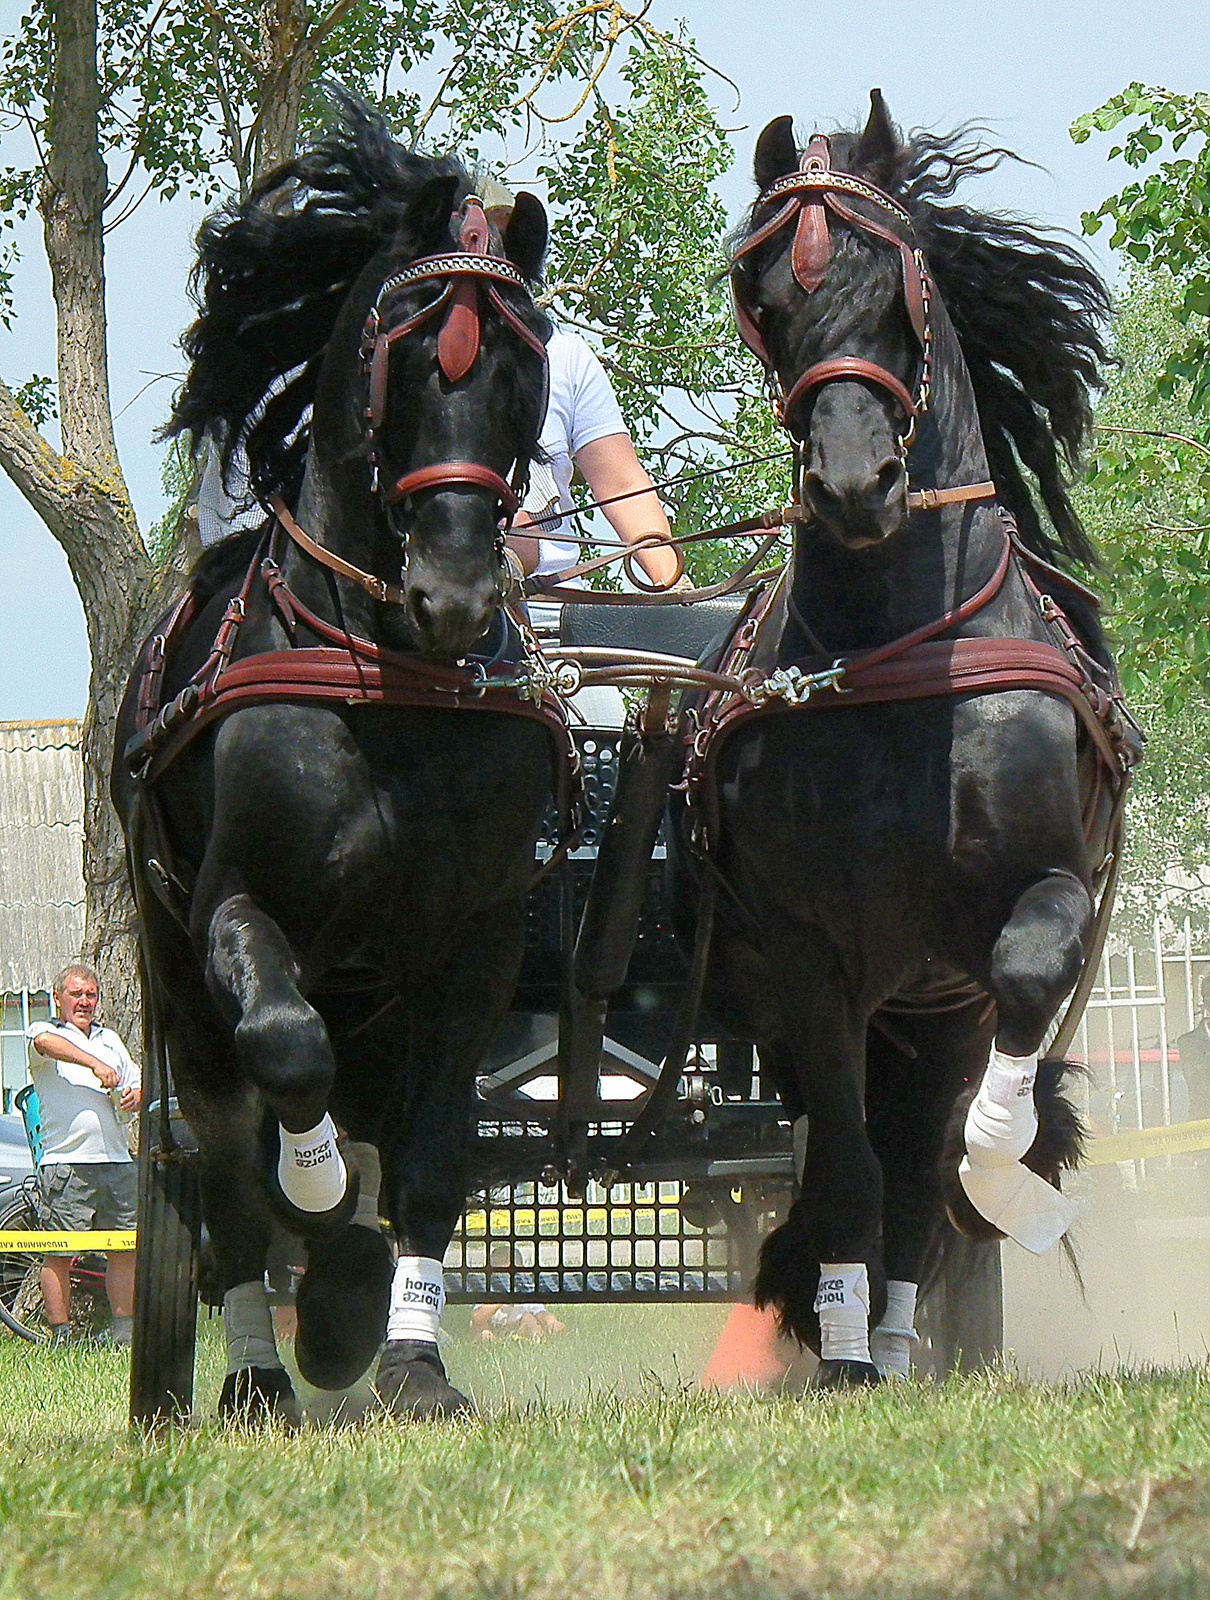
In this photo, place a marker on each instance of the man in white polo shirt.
(86, 1085)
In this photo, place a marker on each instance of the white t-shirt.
(79, 1122)
(581, 408)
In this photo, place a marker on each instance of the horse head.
(831, 293)
(455, 375)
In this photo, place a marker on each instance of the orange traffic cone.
(750, 1353)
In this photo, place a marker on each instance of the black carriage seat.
(688, 631)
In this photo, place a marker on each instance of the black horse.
(332, 826)
(905, 868)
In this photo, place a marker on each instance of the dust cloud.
(1143, 1243)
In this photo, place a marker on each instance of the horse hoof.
(256, 1396)
(846, 1375)
(342, 1306)
(412, 1384)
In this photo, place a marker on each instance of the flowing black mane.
(272, 274)
(1030, 314)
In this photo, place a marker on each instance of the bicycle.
(21, 1307)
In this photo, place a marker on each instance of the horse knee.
(285, 1050)
(1037, 959)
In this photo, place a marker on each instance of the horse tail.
(1057, 1148)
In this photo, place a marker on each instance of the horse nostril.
(889, 480)
(420, 604)
(824, 500)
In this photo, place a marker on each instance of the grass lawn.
(595, 1470)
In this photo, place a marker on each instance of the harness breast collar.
(812, 193)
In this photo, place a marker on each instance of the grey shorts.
(102, 1194)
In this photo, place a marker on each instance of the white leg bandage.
(310, 1170)
(364, 1158)
(248, 1325)
(843, 1305)
(1002, 1121)
(417, 1299)
(892, 1340)
(1001, 1125)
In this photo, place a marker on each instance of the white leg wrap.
(1000, 1127)
(1002, 1121)
(248, 1325)
(843, 1305)
(892, 1340)
(417, 1299)
(310, 1170)
(365, 1159)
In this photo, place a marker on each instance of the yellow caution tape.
(1142, 1142)
(68, 1243)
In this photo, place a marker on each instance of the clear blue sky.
(1027, 69)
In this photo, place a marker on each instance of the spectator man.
(87, 1088)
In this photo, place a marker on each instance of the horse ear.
(525, 235)
(878, 147)
(776, 152)
(431, 211)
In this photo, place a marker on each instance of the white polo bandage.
(842, 1303)
(417, 1299)
(364, 1158)
(248, 1325)
(892, 1340)
(1001, 1125)
(1002, 1121)
(310, 1169)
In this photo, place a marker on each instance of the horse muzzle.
(863, 508)
(446, 623)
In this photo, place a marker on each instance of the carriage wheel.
(169, 1237)
(166, 1294)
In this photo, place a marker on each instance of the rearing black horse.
(905, 862)
(331, 826)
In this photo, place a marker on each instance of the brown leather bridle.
(466, 274)
(811, 193)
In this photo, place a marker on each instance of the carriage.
(857, 887)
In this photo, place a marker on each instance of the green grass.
(978, 1490)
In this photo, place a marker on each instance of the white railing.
(1144, 999)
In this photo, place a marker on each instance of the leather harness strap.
(377, 588)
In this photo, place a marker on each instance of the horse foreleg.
(814, 1269)
(427, 1165)
(915, 1066)
(283, 1047)
(1035, 962)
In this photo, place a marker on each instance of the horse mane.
(1030, 313)
(272, 274)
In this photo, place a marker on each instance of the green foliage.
(37, 399)
(1162, 221)
(1148, 494)
(1147, 502)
